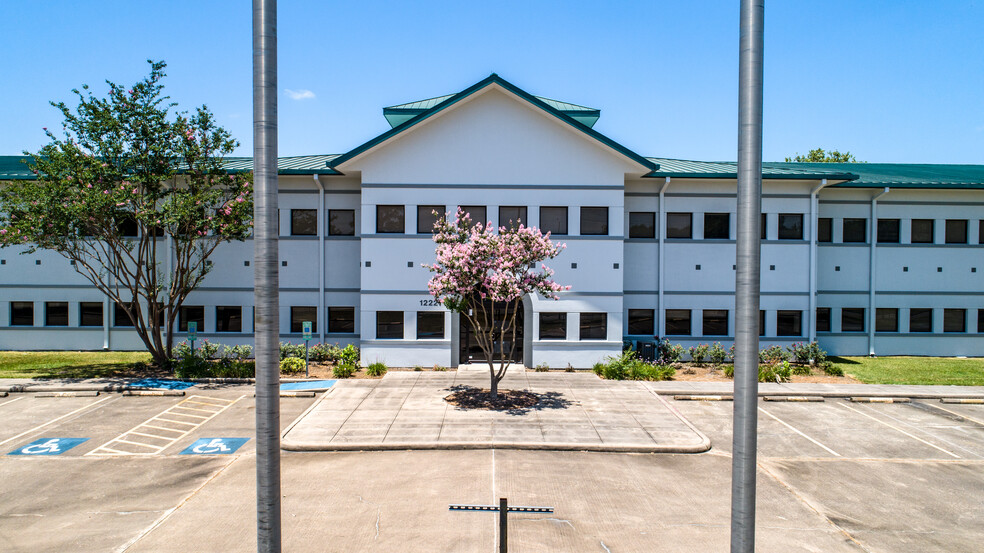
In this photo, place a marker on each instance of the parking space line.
(180, 432)
(195, 409)
(11, 400)
(53, 421)
(961, 415)
(787, 425)
(897, 429)
(206, 403)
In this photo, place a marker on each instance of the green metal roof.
(683, 168)
(399, 114)
(900, 175)
(14, 168)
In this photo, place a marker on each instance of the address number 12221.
(430, 303)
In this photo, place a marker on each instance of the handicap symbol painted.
(48, 446)
(215, 446)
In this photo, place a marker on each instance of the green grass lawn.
(67, 364)
(913, 370)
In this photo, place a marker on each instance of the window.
(791, 226)
(594, 326)
(553, 326)
(120, 318)
(301, 314)
(789, 323)
(341, 222)
(762, 322)
(56, 313)
(764, 226)
(715, 322)
(511, 216)
(920, 320)
(21, 313)
(389, 325)
(922, 231)
(886, 319)
(128, 227)
(341, 320)
(823, 319)
(679, 225)
(594, 221)
(956, 231)
(855, 231)
(191, 314)
(888, 231)
(553, 220)
(430, 325)
(954, 320)
(642, 322)
(390, 219)
(825, 230)
(478, 214)
(642, 224)
(678, 322)
(229, 318)
(303, 222)
(852, 319)
(980, 321)
(980, 232)
(717, 226)
(427, 216)
(91, 313)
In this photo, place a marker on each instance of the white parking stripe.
(782, 422)
(53, 421)
(897, 429)
(961, 415)
(11, 400)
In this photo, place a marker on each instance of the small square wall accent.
(905, 269)
(614, 265)
(283, 263)
(245, 263)
(409, 263)
(573, 265)
(939, 269)
(3, 261)
(837, 268)
(734, 267)
(973, 269)
(772, 267)
(697, 267)
(37, 261)
(368, 263)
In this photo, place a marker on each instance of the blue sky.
(891, 81)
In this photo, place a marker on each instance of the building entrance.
(471, 352)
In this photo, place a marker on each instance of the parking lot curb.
(289, 445)
(703, 397)
(972, 400)
(67, 394)
(154, 393)
(810, 399)
(3, 394)
(880, 400)
(824, 394)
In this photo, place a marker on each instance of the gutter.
(814, 228)
(872, 256)
(661, 232)
(321, 318)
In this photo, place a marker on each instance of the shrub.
(698, 353)
(777, 372)
(182, 351)
(349, 355)
(288, 349)
(376, 369)
(729, 370)
(542, 368)
(731, 353)
(807, 353)
(628, 366)
(598, 368)
(717, 354)
(229, 368)
(773, 354)
(569, 369)
(440, 368)
(343, 371)
(417, 368)
(321, 353)
(829, 368)
(208, 349)
(291, 365)
(801, 370)
(238, 353)
(673, 354)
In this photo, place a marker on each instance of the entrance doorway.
(471, 352)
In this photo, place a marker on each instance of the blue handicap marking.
(159, 383)
(215, 446)
(308, 385)
(48, 446)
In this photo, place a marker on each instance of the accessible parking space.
(26, 416)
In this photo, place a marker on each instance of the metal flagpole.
(748, 275)
(266, 277)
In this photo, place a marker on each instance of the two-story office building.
(865, 258)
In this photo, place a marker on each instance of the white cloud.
(301, 94)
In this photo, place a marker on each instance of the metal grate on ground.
(163, 430)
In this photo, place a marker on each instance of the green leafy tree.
(821, 156)
(128, 183)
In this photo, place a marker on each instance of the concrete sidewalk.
(673, 387)
(578, 411)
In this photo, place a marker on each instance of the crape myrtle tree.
(126, 173)
(478, 267)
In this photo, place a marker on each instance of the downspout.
(661, 232)
(814, 228)
(322, 319)
(871, 270)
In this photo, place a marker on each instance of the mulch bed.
(475, 398)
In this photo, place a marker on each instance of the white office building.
(881, 259)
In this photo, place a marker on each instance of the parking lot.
(834, 476)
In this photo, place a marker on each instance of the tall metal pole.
(266, 277)
(748, 275)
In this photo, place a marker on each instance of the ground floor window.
(229, 318)
(191, 314)
(553, 326)
(920, 320)
(715, 322)
(594, 326)
(852, 319)
(678, 322)
(120, 318)
(823, 319)
(90, 313)
(642, 322)
(389, 325)
(954, 320)
(299, 314)
(511, 216)
(789, 323)
(56, 313)
(980, 320)
(430, 325)
(21, 313)
(886, 318)
(341, 320)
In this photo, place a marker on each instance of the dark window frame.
(337, 316)
(674, 321)
(641, 317)
(645, 228)
(508, 221)
(184, 318)
(857, 314)
(333, 215)
(790, 233)
(951, 320)
(586, 214)
(381, 220)
(426, 213)
(719, 228)
(302, 217)
(23, 306)
(823, 315)
(825, 229)
(555, 327)
(886, 319)
(432, 316)
(589, 327)
(789, 322)
(226, 320)
(471, 210)
(956, 231)
(714, 322)
(85, 308)
(856, 224)
(566, 220)
(889, 231)
(392, 329)
(297, 319)
(921, 226)
(48, 305)
(678, 232)
(923, 316)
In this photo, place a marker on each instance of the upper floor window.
(855, 230)
(553, 220)
(511, 216)
(642, 224)
(956, 231)
(922, 231)
(790, 226)
(427, 217)
(390, 219)
(888, 231)
(679, 225)
(303, 222)
(825, 229)
(478, 214)
(128, 226)
(341, 222)
(594, 221)
(717, 226)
